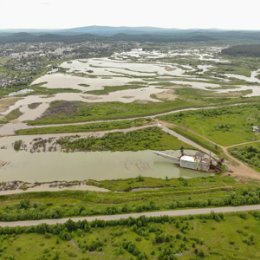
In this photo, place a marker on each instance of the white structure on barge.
(198, 162)
(256, 129)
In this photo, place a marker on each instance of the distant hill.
(48, 37)
(110, 31)
(152, 34)
(249, 50)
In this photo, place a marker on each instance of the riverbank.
(19, 187)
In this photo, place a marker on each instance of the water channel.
(58, 166)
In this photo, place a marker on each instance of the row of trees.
(71, 226)
(248, 50)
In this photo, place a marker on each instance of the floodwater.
(21, 92)
(144, 71)
(124, 96)
(59, 166)
(204, 68)
(59, 80)
(197, 85)
(254, 90)
(253, 78)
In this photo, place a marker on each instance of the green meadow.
(224, 126)
(212, 237)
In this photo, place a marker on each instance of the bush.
(18, 145)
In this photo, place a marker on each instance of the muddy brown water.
(51, 166)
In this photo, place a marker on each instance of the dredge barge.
(199, 161)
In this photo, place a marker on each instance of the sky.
(184, 14)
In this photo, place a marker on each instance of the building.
(256, 129)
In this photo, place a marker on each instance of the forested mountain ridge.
(250, 50)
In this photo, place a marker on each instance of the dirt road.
(170, 213)
(237, 168)
(10, 128)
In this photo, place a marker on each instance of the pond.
(55, 166)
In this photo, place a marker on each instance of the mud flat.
(17, 187)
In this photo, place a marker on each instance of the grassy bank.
(170, 194)
(199, 140)
(124, 185)
(84, 127)
(213, 237)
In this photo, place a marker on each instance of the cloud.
(232, 14)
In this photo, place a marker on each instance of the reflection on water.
(45, 167)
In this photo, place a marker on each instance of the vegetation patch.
(84, 85)
(38, 90)
(199, 140)
(145, 139)
(162, 238)
(5, 103)
(246, 50)
(249, 154)
(140, 182)
(110, 89)
(224, 126)
(169, 194)
(33, 105)
(75, 111)
(14, 114)
(85, 127)
(18, 145)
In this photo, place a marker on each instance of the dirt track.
(236, 167)
(170, 213)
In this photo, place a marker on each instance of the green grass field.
(212, 237)
(71, 112)
(224, 126)
(199, 140)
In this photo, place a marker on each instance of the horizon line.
(125, 26)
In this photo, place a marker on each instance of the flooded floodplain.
(137, 75)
